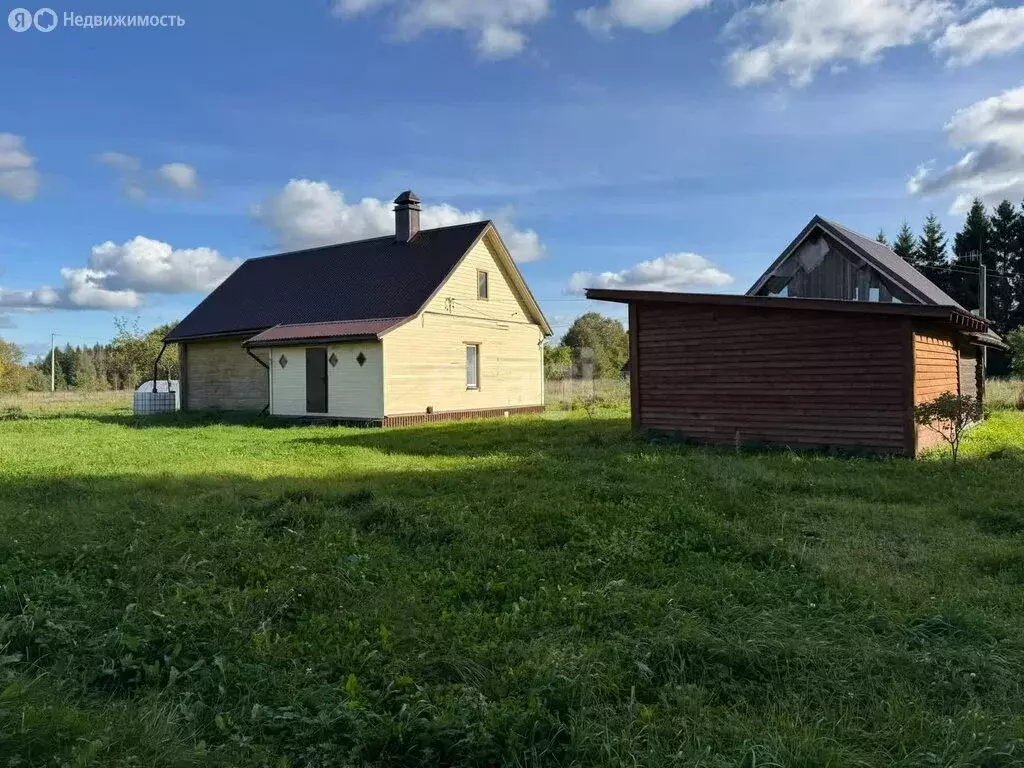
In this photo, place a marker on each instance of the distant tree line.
(124, 363)
(997, 239)
(594, 345)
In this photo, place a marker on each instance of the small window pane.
(481, 291)
(472, 366)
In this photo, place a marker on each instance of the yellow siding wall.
(458, 295)
(353, 392)
(425, 359)
(425, 365)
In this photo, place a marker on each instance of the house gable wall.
(425, 359)
(825, 269)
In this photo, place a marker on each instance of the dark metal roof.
(348, 330)
(954, 316)
(365, 280)
(892, 265)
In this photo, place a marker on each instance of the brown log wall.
(936, 372)
(754, 376)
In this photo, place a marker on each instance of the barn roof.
(374, 279)
(883, 259)
(964, 321)
(888, 261)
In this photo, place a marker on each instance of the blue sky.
(644, 143)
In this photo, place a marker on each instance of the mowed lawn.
(543, 592)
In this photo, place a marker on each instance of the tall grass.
(65, 400)
(571, 394)
(1004, 394)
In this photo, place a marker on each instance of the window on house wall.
(472, 366)
(481, 284)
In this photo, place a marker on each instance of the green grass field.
(548, 591)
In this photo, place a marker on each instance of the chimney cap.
(407, 198)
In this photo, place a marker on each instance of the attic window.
(481, 284)
(361, 359)
(283, 361)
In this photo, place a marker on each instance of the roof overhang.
(171, 338)
(324, 333)
(517, 279)
(961, 320)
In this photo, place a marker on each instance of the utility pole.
(982, 302)
(53, 361)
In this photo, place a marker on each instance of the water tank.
(167, 397)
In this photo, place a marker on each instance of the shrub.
(949, 415)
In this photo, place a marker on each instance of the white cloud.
(118, 276)
(135, 182)
(993, 166)
(179, 176)
(996, 32)
(496, 26)
(306, 214)
(120, 162)
(674, 272)
(645, 15)
(19, 179)
(796, 38)
(129, 170)
(500, 42)
(6, 321)
(150, 266)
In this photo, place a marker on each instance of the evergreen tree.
(881, 237)
(1017, 270)
(1002, 278)
(932, 254)
(906, 244)
(974, 239)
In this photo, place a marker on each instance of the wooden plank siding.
(425, 359)
(838, 275)
(354, 392)
(936, 372)
(790, 378)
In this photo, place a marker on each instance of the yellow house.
(424, 325)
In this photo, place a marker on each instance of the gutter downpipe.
(156, 364)
(266, 408)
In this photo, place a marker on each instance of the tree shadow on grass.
(415, 618)
(518, 436)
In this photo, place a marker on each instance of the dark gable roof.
(365, 280)
(893, 266)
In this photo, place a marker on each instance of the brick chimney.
(407, 217)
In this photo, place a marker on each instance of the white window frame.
(473, 373)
